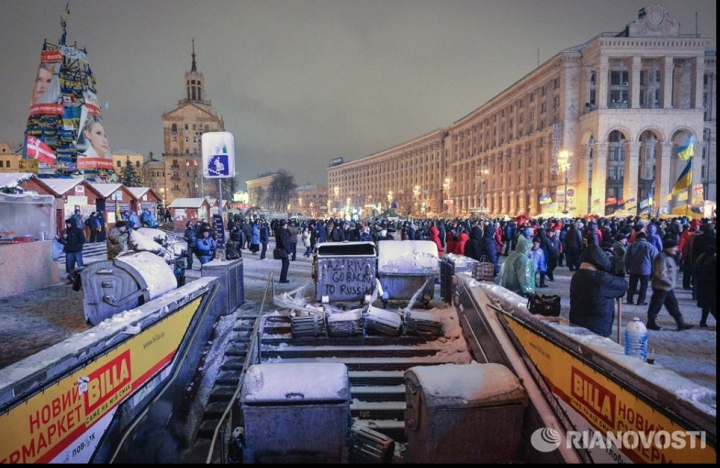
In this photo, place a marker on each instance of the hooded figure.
(435, 237)
(518, 273)
(593, 290)
(488, 248)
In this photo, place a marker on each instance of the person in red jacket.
(463, 239)
(435, 237)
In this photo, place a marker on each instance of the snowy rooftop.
(13, 179)
(106, 189)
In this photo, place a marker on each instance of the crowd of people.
(613, 258)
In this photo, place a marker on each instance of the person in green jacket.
(518, 271)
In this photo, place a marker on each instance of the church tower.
(183, 128)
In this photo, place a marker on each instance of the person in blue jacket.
(205, 246)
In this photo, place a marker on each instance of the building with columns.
(259, 189)
(595, 128)
(183, 128)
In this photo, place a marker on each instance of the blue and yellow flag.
(687, 150)
(684, 181)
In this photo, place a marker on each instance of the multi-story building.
(258, 190)
(9, 159)
(596, 127)
(153, 175)
(121, 157)
(309, 200)
(183, 128)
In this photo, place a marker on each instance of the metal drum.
(130, 280)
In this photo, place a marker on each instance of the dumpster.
(405, 267)
(469, 413)
(128, 281)
(344, 271)
(296, 413)
(232, 287)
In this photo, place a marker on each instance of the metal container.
(463, 413)
(344, 271)
(296, 413)
(232, 284)
(112, 286)
(404, 267)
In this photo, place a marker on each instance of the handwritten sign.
(345, 278)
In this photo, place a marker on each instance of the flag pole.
(690, 187)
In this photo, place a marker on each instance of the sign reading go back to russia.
(218, 155)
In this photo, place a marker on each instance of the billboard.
(65, 130)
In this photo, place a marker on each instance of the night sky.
(301, 82)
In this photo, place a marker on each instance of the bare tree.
(281, 188)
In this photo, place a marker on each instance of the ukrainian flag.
(684, 181)
(687, 150)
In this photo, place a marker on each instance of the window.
(1, 163)
(119, 164)
(556, 102)
(543, 108)
(619, 78)
(612, 172)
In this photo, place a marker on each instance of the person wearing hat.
(190, 237)
(73, 240)
(664, 275)
(619, 250)
(118, 240)
(593, 290)
(638, 263)
(282, 243)
(205, 246)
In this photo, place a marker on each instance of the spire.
(194, 66)
(194, 89)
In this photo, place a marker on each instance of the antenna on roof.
(538, 57)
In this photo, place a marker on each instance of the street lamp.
(336, 191)
(446, 191)
(482, 172)
(563, 165)
(416, 194)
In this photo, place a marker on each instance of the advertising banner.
(65, 421)
(611, 422)
(65, 131)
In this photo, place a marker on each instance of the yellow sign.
(47, 426)
(598, 404)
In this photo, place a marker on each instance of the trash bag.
(57, 249)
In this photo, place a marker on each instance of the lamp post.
(336, 191)
(446, 192)
(482, 172)
(563, 163)
(416, 194)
